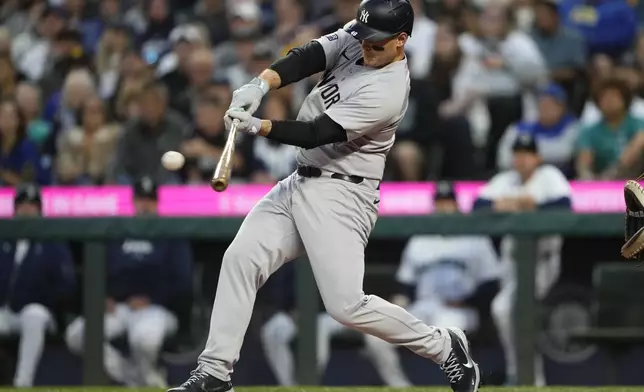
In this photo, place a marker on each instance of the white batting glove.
(247, 123)
(249, 96)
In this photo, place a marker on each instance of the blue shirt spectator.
(563, 48)
(555, 131)
(609, 26)
(20, 159)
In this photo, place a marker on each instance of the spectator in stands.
(160, 22)
(9, 77)
(134, 74)
(612, 147)
(5, 42)
(31, 49)
(145, 139)
(220, 89)
(109, 12)
(200, 71)
(421, 43)
(511, 67)
(280, 329)
(20, 160)
(563, 48)
(36, 280)
(135, 17)
(244, 20)
(289, 16)
(76, 11)
(84, 152)
(212, 15)
(145, 278)
(444, 280)
(262, 57)
(635, 61)
(239, 73)
(244, 17)
(113, 45)
(20, 16)
(273, 161)
(556, 131)
(29, 100)
(204, 146)
(173, 67)
(67, 55)
(602, 70)
(452, 10)
(435, 137)
(608, 26)
(529, 186)
(63, 107)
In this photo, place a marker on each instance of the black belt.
(313, 172)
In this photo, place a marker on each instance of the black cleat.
(201, 381)
(461, 371)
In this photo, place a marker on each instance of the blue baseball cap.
(555, 91)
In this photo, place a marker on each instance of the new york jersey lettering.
(368, 103)
(329, 89)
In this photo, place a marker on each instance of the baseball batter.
(328, 207)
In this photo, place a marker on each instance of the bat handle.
(220, 179)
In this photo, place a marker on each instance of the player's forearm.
(298, 64)
(305, 134)
(272, 78)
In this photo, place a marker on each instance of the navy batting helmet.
(378, 20)
(27, 193)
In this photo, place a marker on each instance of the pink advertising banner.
(237, 200)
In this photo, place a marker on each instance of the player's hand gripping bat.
(221, 176)
(634, 231)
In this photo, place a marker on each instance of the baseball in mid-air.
(173, 160)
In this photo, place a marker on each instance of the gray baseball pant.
(330, 220)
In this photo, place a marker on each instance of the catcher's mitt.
(634, 231)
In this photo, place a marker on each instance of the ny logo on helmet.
(364, 16)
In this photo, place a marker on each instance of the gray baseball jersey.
(368, 103)
(328, 219)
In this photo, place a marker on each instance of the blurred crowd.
(94, 92)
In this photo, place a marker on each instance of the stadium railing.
(526, 227)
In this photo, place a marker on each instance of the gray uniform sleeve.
(334, 44)
(371, 109)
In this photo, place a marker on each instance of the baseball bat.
(221, 176)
